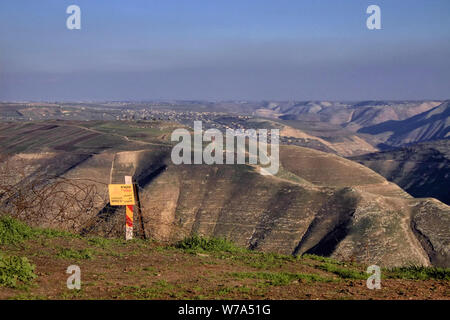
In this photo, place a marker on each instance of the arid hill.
(430, 125)
(422, 169)
(352, 116)
(357, 128)
(318, 203)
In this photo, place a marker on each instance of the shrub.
(13, 231)
(15, 269)
(197, 243)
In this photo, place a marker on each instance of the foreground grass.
(342, 272)
(75, 254)
(196, 243)
(33, 264)
(417, 273)
(282, 278)
(13, 232)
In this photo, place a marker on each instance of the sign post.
(129, 212)
(123, 195)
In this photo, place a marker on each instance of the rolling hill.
(318, 203)
(350, 115)
(430, 125)
(421, 169)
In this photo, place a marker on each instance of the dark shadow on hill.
(431, 122)
(330, 226)
(146, 180)
(421, 169)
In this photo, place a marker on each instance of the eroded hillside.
(421, 169)
(319, 203)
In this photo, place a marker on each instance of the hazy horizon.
(87, 101)
(224, 50)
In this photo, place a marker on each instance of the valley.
(344, 197)
(313, 205)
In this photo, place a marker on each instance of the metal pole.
(129, 214)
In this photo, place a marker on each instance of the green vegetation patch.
(104, 242)
(241, 291)
(321, 259)
(281, 278)
(342, 272)
(13, 231)
(417, 273)
(155, 291)
(197, 243)
(76, 254)
(263, 260)
(15, 270)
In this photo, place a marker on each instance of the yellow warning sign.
(121, 195)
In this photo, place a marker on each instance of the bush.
(13, 231)
(197, 243)
(15, 269)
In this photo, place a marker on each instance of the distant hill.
(429, 125)
(422, 169)
(352, 116)
(356, 125)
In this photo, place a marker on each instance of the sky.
(224, 50)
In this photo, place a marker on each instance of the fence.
(79, 205)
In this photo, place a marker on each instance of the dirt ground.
(115, 269)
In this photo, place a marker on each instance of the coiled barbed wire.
(80, 205)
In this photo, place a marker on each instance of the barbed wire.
(80, 205)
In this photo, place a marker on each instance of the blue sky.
(221, 50)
